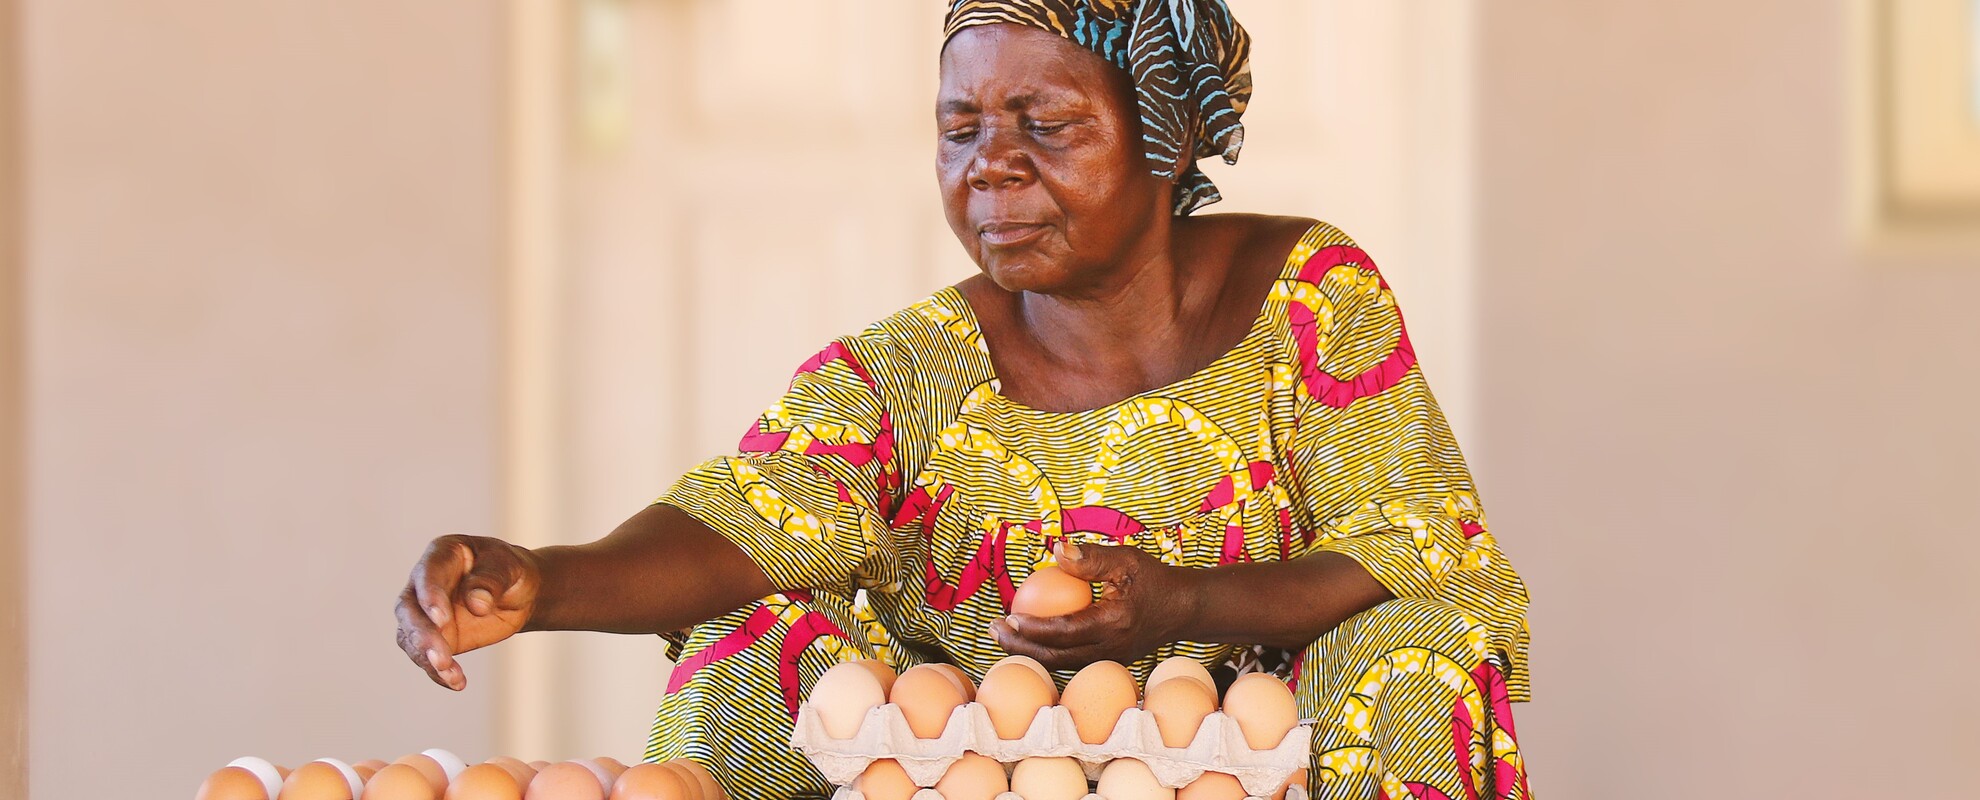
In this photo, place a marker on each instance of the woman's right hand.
(466, 592)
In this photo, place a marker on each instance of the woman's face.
(1040, 161)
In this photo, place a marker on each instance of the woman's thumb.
(1093, 562)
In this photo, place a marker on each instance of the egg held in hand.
(1051, 592)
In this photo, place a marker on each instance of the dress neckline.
(1259, 326)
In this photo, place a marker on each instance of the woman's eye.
(1047, 128)
(959, 134)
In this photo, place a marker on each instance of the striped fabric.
(898, 498)
(1190, 61)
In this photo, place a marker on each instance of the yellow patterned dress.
(897, 499)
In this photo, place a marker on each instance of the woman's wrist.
(1188, 589)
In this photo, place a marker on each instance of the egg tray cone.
(1219, 746)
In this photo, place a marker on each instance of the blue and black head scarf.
(1190, 61)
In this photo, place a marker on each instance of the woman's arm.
(661, 570)
(1146, 604)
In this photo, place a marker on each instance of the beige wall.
(1734, 456)
(263, 290)
(13, 634)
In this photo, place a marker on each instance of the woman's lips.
(1005, 234)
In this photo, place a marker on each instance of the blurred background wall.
(305, 284)
(262, 296)
(1730, 444)
(13, 630)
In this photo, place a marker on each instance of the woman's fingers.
(1094, 623)
(438, 573)
(494, 583)
(423, 642)
(1098, 563)
(1017, 643)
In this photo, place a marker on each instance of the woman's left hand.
(1143, 604)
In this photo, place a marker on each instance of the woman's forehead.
(1017, 62)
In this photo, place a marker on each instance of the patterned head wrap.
(1190, 61)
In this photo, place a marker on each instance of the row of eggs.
(440, 775)
(975, 777)
(1180, 695)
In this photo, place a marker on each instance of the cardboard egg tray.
(1219, 746)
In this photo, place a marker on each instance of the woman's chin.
(1024, 275)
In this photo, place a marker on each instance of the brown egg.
(232, 783)
(843, 696)
(523, 772)
(881, 671)
(1179, 706)
(570, 780)
(538, 765)
(373, 764)
(1050, 592)
(652, 782)
(365, 770)
(485, 782)
(400, 782)
(1013, 695)
(1049, 779)
(927, 697)
(1213, 786)
(973, 777)
(435, 775)
(961, 678)
(885, 780)
(1034, 666)
(1131, 779)
(323, 779)
(1264, 709)
(1096, 696)
(704, 780)
(1182, 666)
(611, 765)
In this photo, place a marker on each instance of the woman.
(1217, 418)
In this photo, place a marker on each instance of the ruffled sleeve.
(814, 479)
(1380, 471)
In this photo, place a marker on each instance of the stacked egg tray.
(1219, 746)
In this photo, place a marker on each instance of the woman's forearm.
(1283, 604)
(662, 570)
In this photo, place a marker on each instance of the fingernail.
(481, 601)
(1012, 621)
(433, 658)
(437, 613)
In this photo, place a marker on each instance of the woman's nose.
(1000, 162)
